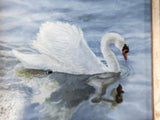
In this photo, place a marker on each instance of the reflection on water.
(71, 91)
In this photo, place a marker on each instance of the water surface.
(34, 95)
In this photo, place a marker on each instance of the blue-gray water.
(33, 95)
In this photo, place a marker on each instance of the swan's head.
(122, 45)
(118, 40)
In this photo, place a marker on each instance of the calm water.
(34, 95)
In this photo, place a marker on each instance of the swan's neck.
(109, 56)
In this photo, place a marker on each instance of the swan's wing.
(65, 44)
(58, 40)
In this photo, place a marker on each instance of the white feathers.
(62, 48)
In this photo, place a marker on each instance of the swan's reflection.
(73, 90)
(76, 88)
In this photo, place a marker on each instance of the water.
(34, 95)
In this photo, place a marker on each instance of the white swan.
(63, 48)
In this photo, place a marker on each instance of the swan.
(62, 48)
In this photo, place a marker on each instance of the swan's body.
(63, 48)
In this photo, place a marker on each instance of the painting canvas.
(75, 60)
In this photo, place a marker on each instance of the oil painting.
(75, 60)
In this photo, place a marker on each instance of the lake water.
(34, 95)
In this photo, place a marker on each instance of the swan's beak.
(125, 54)
(125, 50)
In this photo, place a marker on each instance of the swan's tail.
(41, 62)
(37, 61)
(31, 61)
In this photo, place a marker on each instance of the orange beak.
(125, 54)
